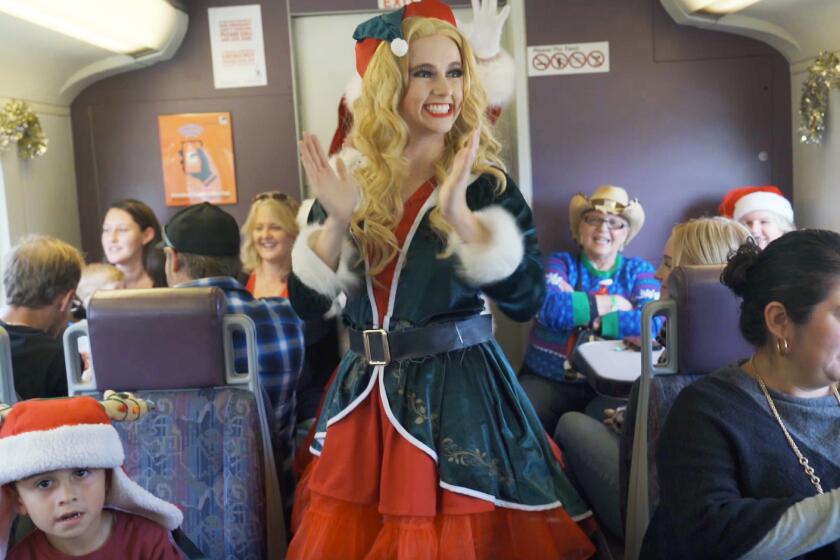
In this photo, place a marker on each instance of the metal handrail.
(7, 379)
(638, 505)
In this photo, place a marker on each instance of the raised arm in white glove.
(485, 29)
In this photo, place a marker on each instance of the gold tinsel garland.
(823, 75)
(19, 124)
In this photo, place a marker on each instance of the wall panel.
(115, 123)
(682, 116)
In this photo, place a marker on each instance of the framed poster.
(236, 46)
(196, 151)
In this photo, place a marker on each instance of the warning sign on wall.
(393, 4)
(577, 58)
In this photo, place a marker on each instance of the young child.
(62, 466)
(95, 276)
(98, 276)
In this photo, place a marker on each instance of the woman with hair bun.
(427, 447)
(749, 458)
(130, 234)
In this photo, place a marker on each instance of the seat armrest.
(183, 542)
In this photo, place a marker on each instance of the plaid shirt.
(279, 354)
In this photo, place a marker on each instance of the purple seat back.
(163, 338)
(707, 320)
(707, 338)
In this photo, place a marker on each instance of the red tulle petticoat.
(373, 495)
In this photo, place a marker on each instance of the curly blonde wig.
(283, 211)
(381, 135)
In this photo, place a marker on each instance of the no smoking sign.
(577, 58)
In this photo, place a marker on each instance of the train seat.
(7, 380)
(702, 335)
(208, 446)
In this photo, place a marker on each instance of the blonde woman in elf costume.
(495, 71)
(427, 446)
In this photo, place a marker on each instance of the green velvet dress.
(465, 409)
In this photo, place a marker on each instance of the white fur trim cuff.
(497, 77)
(302, 217)
(315, 273)
(351, 157)
(66, 447)
(127, 495)
(486, 263)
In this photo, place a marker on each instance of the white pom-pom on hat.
(399, 47)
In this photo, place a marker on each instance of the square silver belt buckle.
(386, 350)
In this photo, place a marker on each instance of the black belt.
(380, 347)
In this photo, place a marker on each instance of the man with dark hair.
(40, 277)
(201, 243)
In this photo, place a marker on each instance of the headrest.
(707, 320)
(162, 338)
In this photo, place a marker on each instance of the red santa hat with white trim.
(43, 435)
(739, 202)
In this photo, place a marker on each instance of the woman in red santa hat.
(764, 210)
(427, 446)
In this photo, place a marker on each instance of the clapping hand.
(485, 30)
(452, 196)
(336, 190)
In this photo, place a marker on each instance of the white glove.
(485, 30)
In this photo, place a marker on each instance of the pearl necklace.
(809, 470)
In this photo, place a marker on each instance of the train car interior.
(606, 324)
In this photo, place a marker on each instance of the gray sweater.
(730, 485)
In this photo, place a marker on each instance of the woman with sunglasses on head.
(596, 288)
(426, 446)
(267, 237)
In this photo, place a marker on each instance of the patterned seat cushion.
(663, 392)
(201, 450)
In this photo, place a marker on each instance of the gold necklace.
(809, 470)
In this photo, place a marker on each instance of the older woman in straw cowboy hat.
(596, 287)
